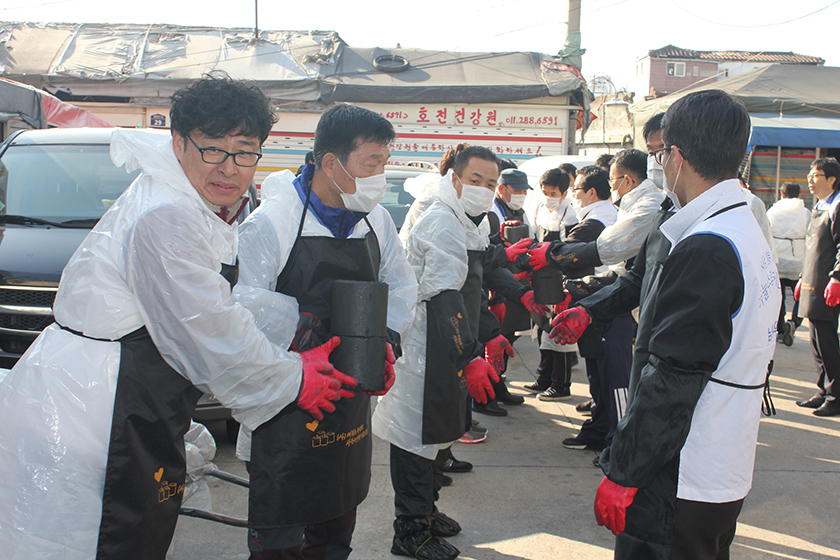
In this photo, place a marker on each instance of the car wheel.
(232, 430)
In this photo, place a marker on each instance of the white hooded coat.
(789, 223)
(436, 244)
(153, 260)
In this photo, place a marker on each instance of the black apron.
(305, 471)
(820, 258)
(445, 389)
(146, 468)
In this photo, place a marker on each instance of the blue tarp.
(795, 131)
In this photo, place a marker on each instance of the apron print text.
(354, 436)
(167, 489)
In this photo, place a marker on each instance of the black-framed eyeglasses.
(616, 178)
(658, 154)
(813, 175)
(217, 155)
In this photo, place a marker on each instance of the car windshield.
(61, 182)
(396, 200)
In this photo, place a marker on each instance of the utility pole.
(256, 22)
(574, 16)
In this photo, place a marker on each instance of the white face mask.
(668, 188)
(654, 172)
(576, 205)
(517, 201)
(615, 197)
(552, 203)
(476, 200)
(369, 191)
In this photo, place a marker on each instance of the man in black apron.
(818, 291)
(308, 476)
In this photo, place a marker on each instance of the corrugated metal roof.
(771, 57)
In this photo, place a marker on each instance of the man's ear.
(329, 163)
(178, 142)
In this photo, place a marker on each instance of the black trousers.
(826, 348)
(700, 531)
(416, 486)
(609, 378)
(794, 314)
(329, 540)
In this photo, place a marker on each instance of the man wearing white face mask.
(652, 132)
(511, 192)
(444, 357)
(327, 225)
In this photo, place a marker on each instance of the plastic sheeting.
(789, 223)
(267, 238)
(623, 239)
(794, 131)
(153, 260)
(436, 246)
(200, 448)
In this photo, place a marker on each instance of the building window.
(695, 71)
(675, 69)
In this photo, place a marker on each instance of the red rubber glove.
(797, 290)
(495, 350)
(322, 382)
(510, 223)
(538, 256)
(528, 301)
(524, 275)
(498, 309)
(518, 248)
(569, 325)
(611, 503)
(559, 308)
(832, 294)
(390, 375)
(479, 373)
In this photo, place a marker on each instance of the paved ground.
(530, 498)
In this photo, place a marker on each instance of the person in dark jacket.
(818, 291)
(681, 460)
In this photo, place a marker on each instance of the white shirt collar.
(720, 196)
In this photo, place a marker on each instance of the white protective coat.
(153, 260)
(623, 239)
(789, 222)
(759, 210)
(267, 238)
(436, 243)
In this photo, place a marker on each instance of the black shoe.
(443, 525)
(445, 480)
(413, 538)
(577, 443)
(491, 409)
(535, 387)
(554, 394)
(454, 465)
(787, 333)
(584, 407)
(828, 408)
(504, 396)
(814, 402)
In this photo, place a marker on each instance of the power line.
(755, 26)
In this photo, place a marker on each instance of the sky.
(615, 33)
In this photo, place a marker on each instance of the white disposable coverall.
(436, 245)
(269, 234)
(153, 260)
(789, 223)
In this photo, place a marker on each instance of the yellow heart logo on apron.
(311, 426)
(159, 474)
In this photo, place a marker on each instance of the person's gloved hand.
(524, 275)
(528, 301)
(495, 350)
(321, 381)
(832, 293)
(518, 248)
(479, 373)
(569, 325)
(797, 290)
(539, 255)
(511, 223)
(498, 309)
(390, 375)
(611, 503)
(559, 308)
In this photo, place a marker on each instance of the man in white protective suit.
(324, 226)
(425, 411)
(94, 414)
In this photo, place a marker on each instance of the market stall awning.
(794, 131)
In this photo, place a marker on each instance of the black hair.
(711, 129)
(556, 178)
(632, 162)
(458, 157)
(652, 125)
(217, 105)
(595, 177)
(829, 168)
(604, 160)
(569, 168)
(309, 157)
(506, 164)
(342, 128)
(790, 190)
